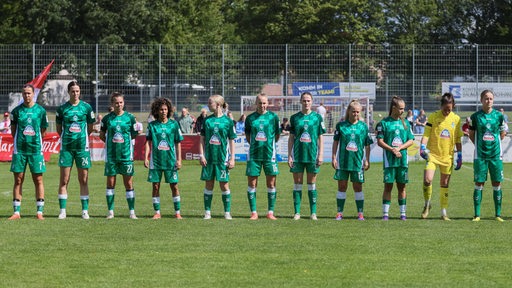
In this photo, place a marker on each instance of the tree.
(309, 21)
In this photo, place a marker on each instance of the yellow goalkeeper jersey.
(442, 133)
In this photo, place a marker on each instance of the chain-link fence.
(188, 74)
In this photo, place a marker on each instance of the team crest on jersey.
(75, 118)
(29, 130)
(261, 136)
(118, 138)
(305, 137)
(75, 128)
(445, 134)
(164, 146)
(214, 140)
(488, 136)
(163, 135)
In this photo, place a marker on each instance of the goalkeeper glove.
(459, 160)
(424, 152)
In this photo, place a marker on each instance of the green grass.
(243, 253)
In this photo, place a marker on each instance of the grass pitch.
(243, 253)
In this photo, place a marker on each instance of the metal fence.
(188, 74)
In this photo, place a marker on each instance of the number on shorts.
(129, 168)
(85, 162)
(223, 174)
(274, 167)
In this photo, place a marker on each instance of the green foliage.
(255, 22)
(243, 253)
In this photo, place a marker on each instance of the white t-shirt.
(321, 110)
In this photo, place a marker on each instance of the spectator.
(96, 126)
(186, 121)
(285, 126)
(465, 126)
(138, 126)
(410, 118)
(321, 110)
(505, 116)
(151, 118)
(230, 116)
(5, 125)
(415, 113)
(240, 125)
(200, 120)
(421, 121)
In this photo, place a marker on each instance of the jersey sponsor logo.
(397, 142)
(75, 128)
(29, 131)
(164, 146)
(488, 136)
(352, 146)
(445, 134)
(261, 136)
(118, 138)
(214, 140)
(305, 137)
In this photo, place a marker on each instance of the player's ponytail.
(220, 101)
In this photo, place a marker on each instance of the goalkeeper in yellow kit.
(442, 133)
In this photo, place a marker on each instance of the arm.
(59, 129)
(147, 151)
(13, 129)
(202, 159)
(90, 128)
(102, 136)
(320, 157)
(472, 135)
(178, 155)
(366, 161)
(248, 137)
(291, 139)
(334, 160)
(232, 152)
(385, 146)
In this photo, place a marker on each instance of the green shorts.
(494, 166)
(81, 158)
(35, 163)
(219, 172)
(170, 176)
(396, 174)
(123, 168)
(298, 167)
(254, 168)
(355, 176)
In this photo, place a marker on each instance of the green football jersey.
(216, 132)
(163, 137)
(29, 122)
(263, 129)
(119, 131)
(74, 121)
(306, 130)
(487, 127)
(353, 138)
(394, 133)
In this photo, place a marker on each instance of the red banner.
(51, 145)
